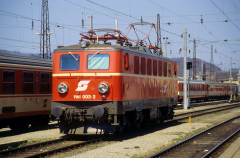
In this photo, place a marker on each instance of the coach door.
(207, 90)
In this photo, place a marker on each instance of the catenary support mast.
(45, 47)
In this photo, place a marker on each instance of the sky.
(220, 26)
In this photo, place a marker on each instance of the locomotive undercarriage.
(105, 117)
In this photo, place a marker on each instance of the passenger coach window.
(8, 84)
(45, 82)
(28, 82)
(98, 61)
(69, 62)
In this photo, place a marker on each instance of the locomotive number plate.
(84, 96)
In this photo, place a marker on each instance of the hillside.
(198, 66)
(19, 53)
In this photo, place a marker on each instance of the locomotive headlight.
(103, 87)
(62, 88)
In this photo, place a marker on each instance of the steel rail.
(205, 111)
(14, 150)
(221, 143)
(205, 104)
(32, 146)
(186, 140)
(47, 153)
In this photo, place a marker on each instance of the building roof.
(224, 76)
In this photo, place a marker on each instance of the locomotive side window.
(8, 84)
(98, 61)
(69, 62)
(155, 67)
(175, 69)
(149, 67)
(169, 70)
(143, 66)
(126, 61)
(165, 69)
(136, 64)
(159, 68)
(45, 82)
(28, 84)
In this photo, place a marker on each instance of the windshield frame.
(73, 59)
(94, 56)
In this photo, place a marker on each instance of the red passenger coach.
(98, 88)
(25, 91)
(207, 90)
(198, 90)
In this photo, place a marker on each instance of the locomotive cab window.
(69, 62)
(98, 61)
(8, 84)
(45, 82)
(28, 84)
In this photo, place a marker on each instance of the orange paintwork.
(123, 84)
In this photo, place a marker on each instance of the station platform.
(233, 151)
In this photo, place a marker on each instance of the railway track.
(60, 145)
(195, 104)
(204, 112)
(204, 143)
(46, 148)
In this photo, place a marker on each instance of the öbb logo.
(82, 85)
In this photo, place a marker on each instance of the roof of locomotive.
(107, 47)
(24, 60)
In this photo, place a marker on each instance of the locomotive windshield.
(98, 62)
(68, 62)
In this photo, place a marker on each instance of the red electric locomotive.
(98, 88)
(25, 91)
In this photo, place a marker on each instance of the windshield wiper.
(93, 55)
(73, 56)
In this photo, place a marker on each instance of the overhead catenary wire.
(172, 31)
(113, 10)
(225, 15)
